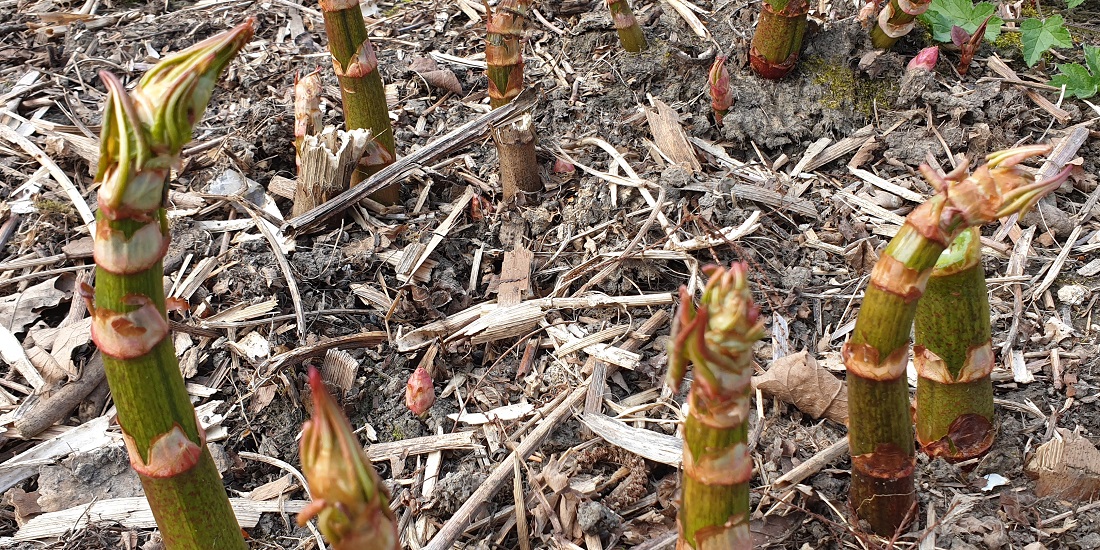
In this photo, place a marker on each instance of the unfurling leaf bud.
(348, 498)
(419, 392)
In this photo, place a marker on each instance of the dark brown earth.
(590, 88)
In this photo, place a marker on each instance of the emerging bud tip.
(419, 392)
(719, 88)
(349, 500)
(925, 60)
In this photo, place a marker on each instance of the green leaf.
(1038, 36)
(1079, 81)
(1073, 3)
(944, 14)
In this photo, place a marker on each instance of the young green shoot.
(777, 41)
(717, 338)
(880, 432)
(143, 132)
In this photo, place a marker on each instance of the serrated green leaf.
(1081, 82)
(1092, 59)
(1039, 35)
(1077, 80)
(1073, 3)
(944, 14)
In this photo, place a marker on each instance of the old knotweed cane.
(630, 32)
(880, 431)
(895, 20)
(716, 338)
(142, 135)
(778, 37)
(351, 504)
(307, 111)
(953, 355)
(515, 142)
(361, 88)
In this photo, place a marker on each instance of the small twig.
(297, 475)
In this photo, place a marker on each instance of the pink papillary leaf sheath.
(419, 392)
(349, 500)
(129, 334)
(925, 60)
(125, 254)
(721, 97)
(170, 454)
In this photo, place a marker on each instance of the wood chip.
(802, 207)
(1066, 467)
(649, 444)
(134, 513)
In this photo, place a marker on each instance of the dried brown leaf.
(797, 379)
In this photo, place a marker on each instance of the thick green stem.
(778, 37)
(717, 339)
(630, 32)
(880, 433)
(895, 21)
(142, 134)
(361, 88)
(954, 356)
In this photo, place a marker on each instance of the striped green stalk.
(716, 338)
(361, 88)
(880, 432)
(142, 134)
(351, 504)
(630, 32)
(777, 40)
(953, 354)
(895, 20)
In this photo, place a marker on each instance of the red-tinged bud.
(562, 166)
(925, 60)
(719, 86)
(718, 335)
(419, 392)
(349, 500)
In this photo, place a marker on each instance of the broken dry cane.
(778, 37)
(717, 338)
(953, 355)
(895, 20)
(361, 89)
(718, 85)
(880, 432)
(626, 25)
(307, 111)
(504, 67)
(143, 132)
(347, 496)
